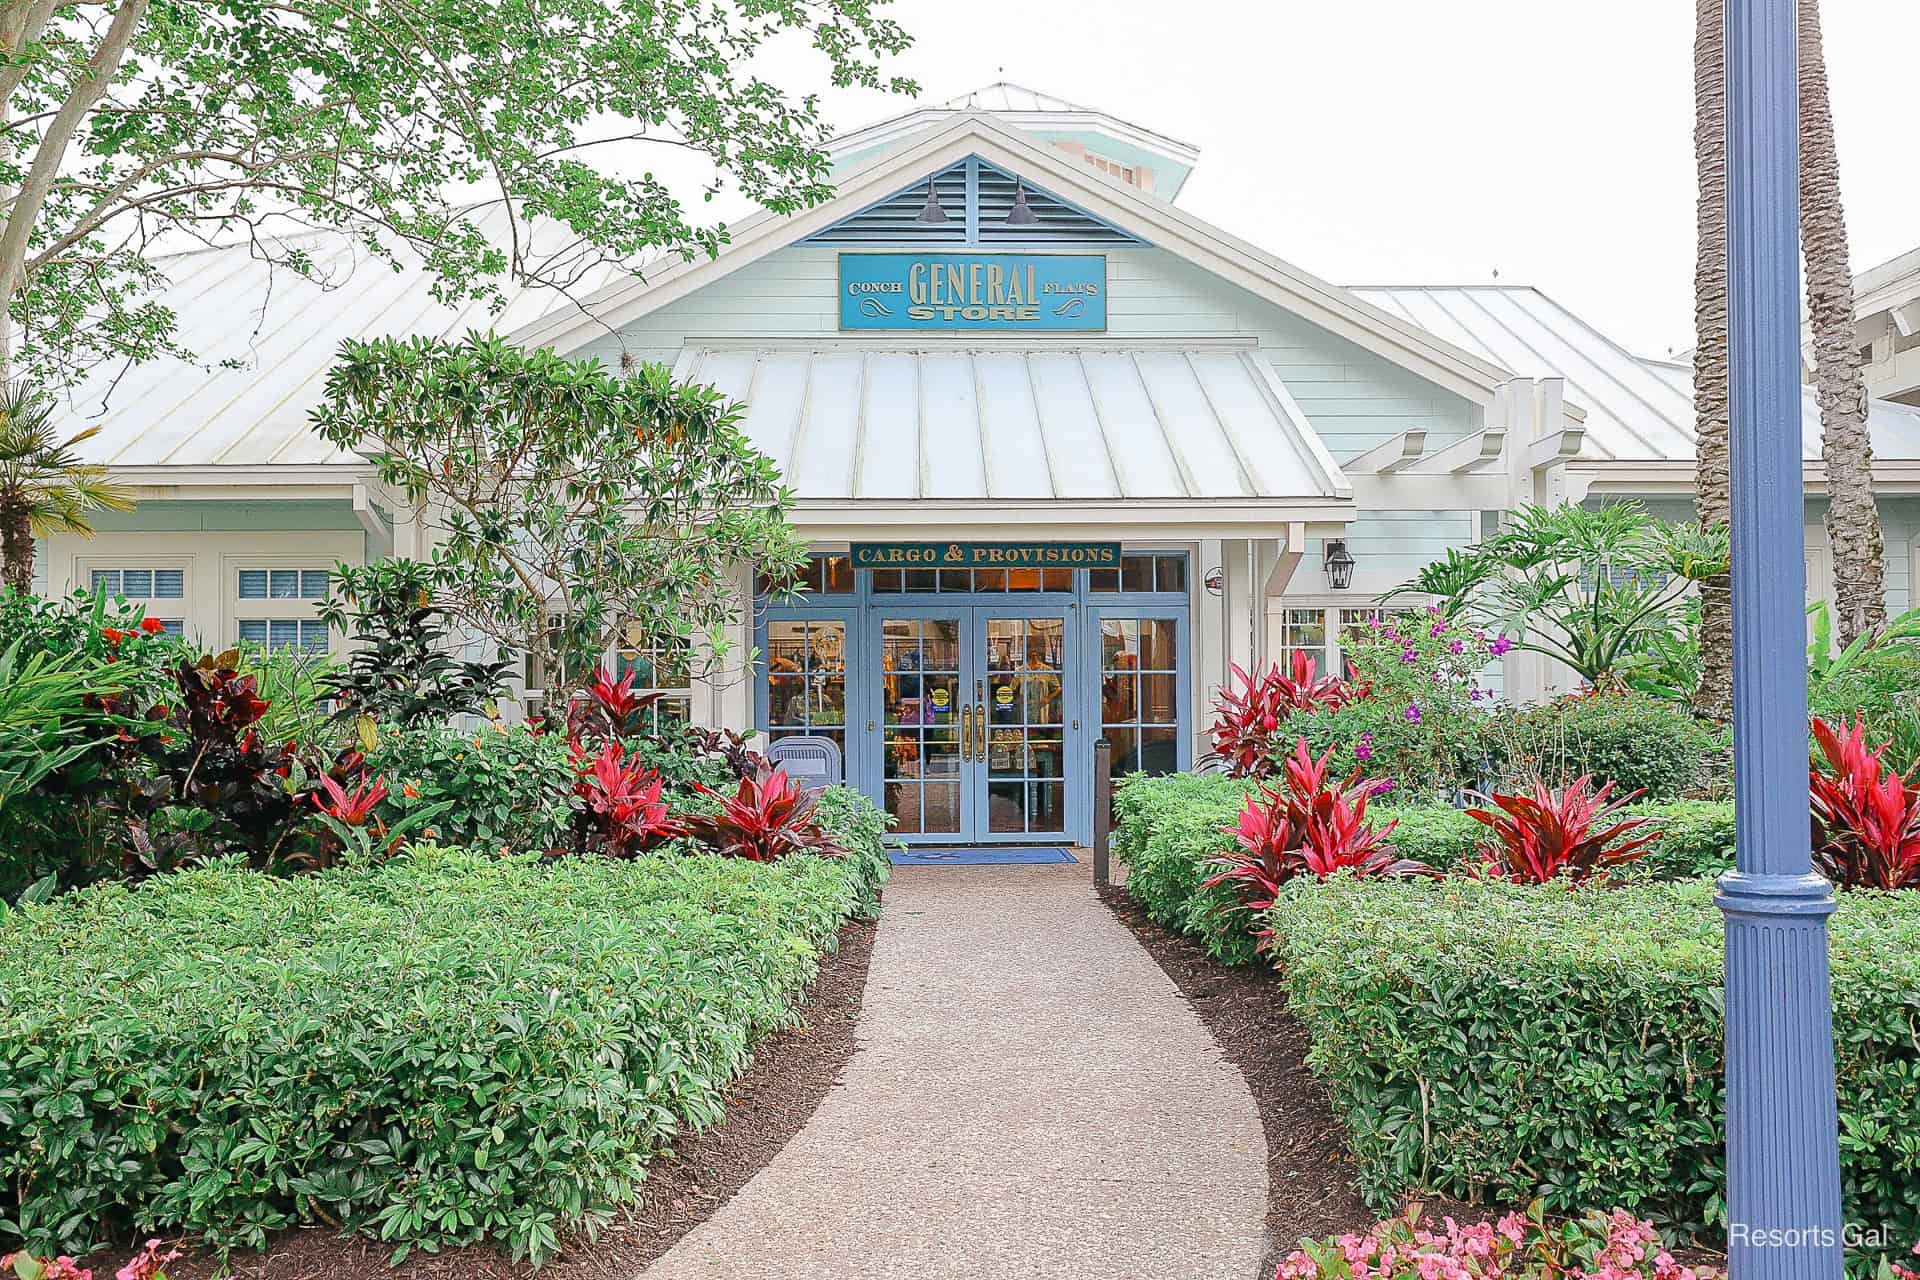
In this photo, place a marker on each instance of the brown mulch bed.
(1310, 1187)
(790, 1076)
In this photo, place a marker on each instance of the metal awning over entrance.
(1102, 421)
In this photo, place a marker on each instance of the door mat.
(977, 857)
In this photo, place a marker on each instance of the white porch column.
(723, 691)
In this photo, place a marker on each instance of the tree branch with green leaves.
(575, 508)
(491, 144)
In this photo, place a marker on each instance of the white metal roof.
(1020, 106)
(1637, 409)
(264, 338)
(1005, 422)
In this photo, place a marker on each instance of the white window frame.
(533, 696)
(1330, 657)
(174, 610)
(235, 609)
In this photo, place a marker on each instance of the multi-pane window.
(920, 699)
(807, 680)
(1139, 693)
(829, 575)
(276, 606)
(161, 591)
(1320, 632)
(962, 581)
(1142, 571)
(662, 667)
(1026, 725)
(308, 634)
(284, 584)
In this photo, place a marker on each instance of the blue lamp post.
(1783, 1161)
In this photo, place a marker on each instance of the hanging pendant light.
(931, 214)
(1021, 215)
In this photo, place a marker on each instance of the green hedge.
(1499, 1041)
(1166, 829)
(1636, 742)
(447, 1048)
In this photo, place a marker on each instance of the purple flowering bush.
(1418, 728)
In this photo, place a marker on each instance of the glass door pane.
(1026, 742)
(1139, 693)
(920, 701)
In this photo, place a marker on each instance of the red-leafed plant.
(611, 709)
(1307, 825)
(769, 817)
(1545, 834)
(1866, 815)
(354, 831)
(621, 811)
(1247, 718)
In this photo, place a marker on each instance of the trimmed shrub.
(1486, 1040)
(1165, 830)
(859, 826)
(446, 1048)
(1439, 835)
(510, 787)
(1696, 839)
(1636, 742)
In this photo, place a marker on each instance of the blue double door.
(979, 732)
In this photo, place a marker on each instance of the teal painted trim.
(287, 515)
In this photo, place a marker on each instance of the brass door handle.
(980, 737)
(966, 734)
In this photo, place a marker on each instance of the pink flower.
(1438, 628)
(1381, 787)
(148, 1264)
(1297, 1266)
(1500, 645)
(1458, 646)
(1409, 656)
(1413, 712)
(1363, 752)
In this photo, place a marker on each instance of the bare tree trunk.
(16, 546)
(1853, 521)
(1714, 697)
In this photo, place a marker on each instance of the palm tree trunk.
(1853, 522)
(16, 546)
(1714, 697)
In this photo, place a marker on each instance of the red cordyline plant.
(611, 708)
(1543, 835)
(1247, 718)
(1866, 815)
(769, 817)
(621, 809)
(1306, 826)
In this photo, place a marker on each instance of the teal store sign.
(988, 292)
(986, 555)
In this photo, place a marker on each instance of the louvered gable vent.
(976, 197)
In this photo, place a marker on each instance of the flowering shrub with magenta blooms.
(1866, 816)
(1420, 723)
(1546, 834)
(1248, 719)
(1596, 1246)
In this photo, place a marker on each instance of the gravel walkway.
(1031, 1098)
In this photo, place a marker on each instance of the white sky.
(1436, 141)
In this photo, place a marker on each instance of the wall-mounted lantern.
(1339, 564)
